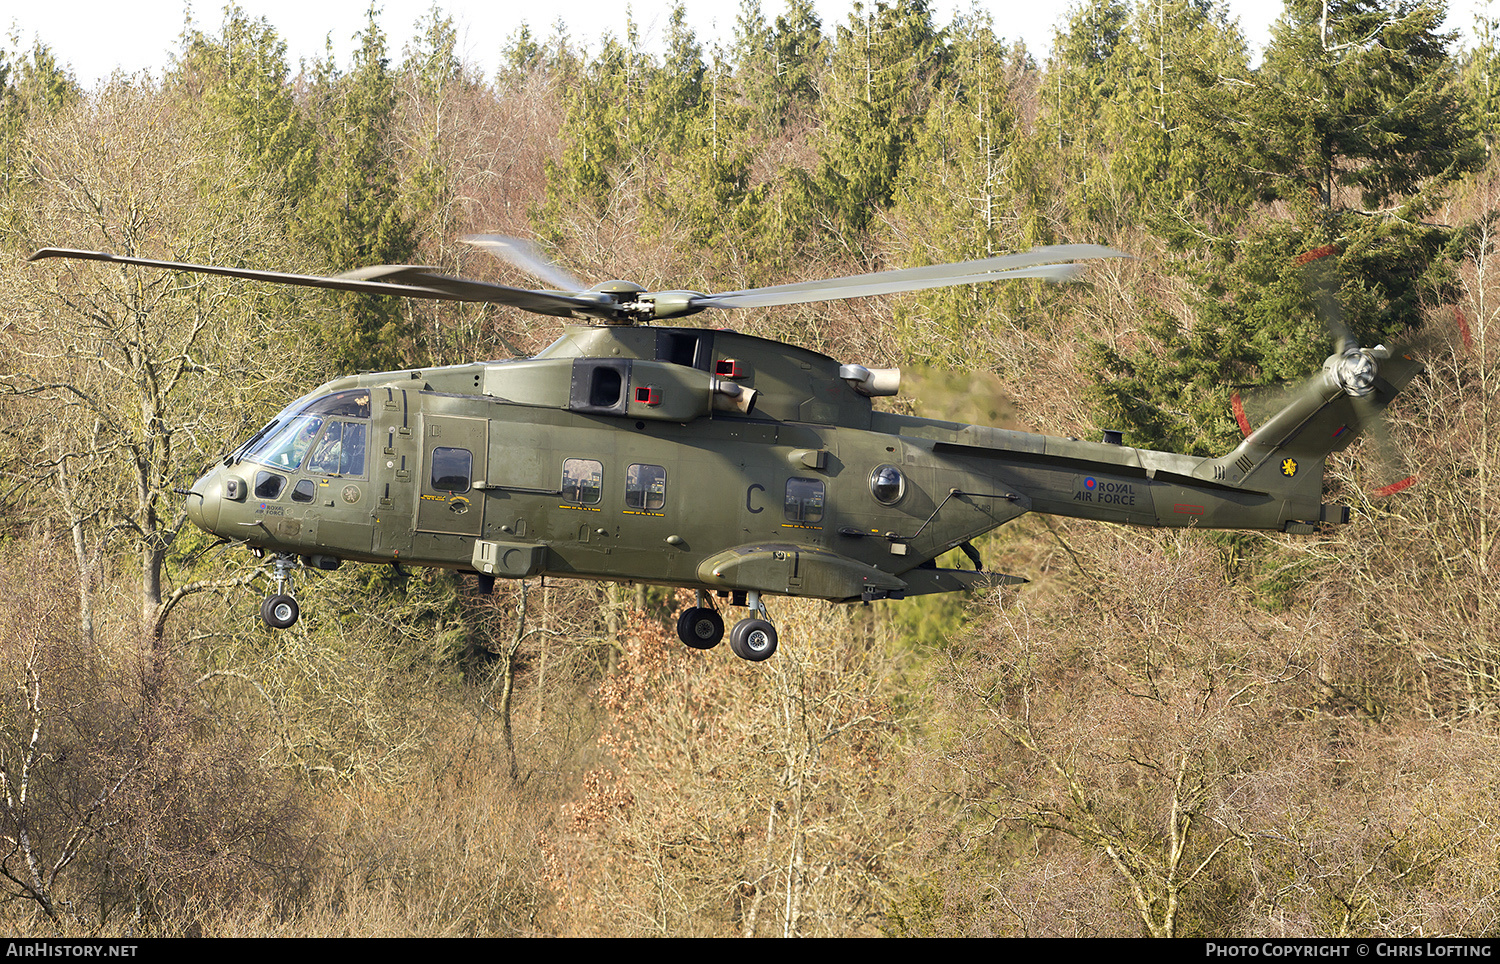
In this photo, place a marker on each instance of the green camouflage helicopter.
(728, 464)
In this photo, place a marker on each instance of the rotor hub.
(1356, 370)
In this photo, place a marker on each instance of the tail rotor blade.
(1388, 463)
(1370, 377)
(1252, 405)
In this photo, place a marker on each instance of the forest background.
(1162, 734)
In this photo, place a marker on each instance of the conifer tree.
(603, 130)
(886, 62)
(970, 187)
(1481, 80)
(1121, 92)
(33, 87)
(355, 216)
(706, 202)
(799, 53)
(1354, 127)
(778, 66)
(1082, 78)
(674, 91)
(434, 78)
(520, 56)
(241, 79)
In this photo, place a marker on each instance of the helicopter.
(731, 465)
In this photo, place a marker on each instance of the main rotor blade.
(412, 281)
(406, 281)
(1036, 263)
(524, 256)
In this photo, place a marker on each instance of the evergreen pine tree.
(1348, 135)
(355, 216)
(885, 64)
(33, 86)
(241, 81)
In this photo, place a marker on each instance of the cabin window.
(887, 484)
(804, 500)
(341, 450)
(305, 490)
(645, 487)
(268, 485)
(452, 469)
(582, 481)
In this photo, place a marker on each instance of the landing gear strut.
(280, 610)
(753, 639)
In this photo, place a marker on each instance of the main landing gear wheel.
(700, 628)
(280, 611)
(753, 639)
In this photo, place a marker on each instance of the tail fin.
(1285, 455)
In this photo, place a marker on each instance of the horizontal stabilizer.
(922, 582)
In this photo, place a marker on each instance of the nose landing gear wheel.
(280, 611)
(753, 639)
(700, 628)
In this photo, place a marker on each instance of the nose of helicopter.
(203, 502)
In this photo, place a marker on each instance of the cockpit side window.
(341, 450)
(304, 490)
(268, 485)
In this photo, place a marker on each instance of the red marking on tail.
(1239, 414)
(1395, 487)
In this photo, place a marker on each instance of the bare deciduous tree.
(127, 381)
(739, 799)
